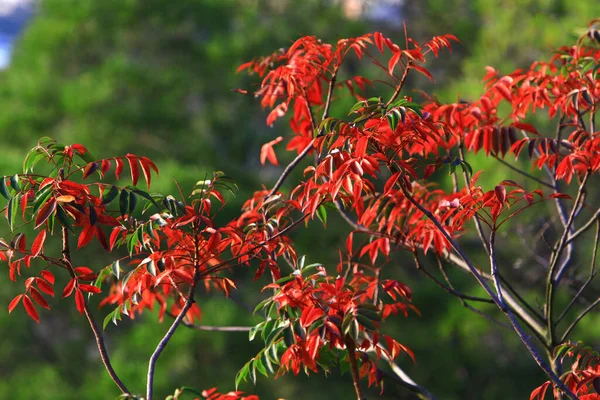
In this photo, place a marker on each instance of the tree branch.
(66, 252)
(498, 300)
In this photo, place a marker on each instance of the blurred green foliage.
(154, 78)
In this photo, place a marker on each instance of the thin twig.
(448, 289)
(525, 174)
(583, 314)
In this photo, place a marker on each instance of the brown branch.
(66, 252)
(165, 340)
(590, 277)
(585, 227)
(354, 368)
(554, 275)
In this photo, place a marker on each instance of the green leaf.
(116, 269)
(260, 367)
(41, 198)
(260, 305)
(108, 196)
(124, 202)
(63, 219)
(101, 276)
(267, 362)
(145, 195)
(242, 374)
(132, 202)
(107, 319)
(253, 371)
(254, 330)
(370, 314)
(269, 325)
(4, 189)
(465, 165)
(13, 207)
(151, 267)
(322, 214)
(14, 182)
(275, 333)
(366, 322)
(393, 117)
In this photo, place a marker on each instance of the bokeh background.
(154, 77)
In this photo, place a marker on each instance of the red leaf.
(540, 392)
(135, 171)
(267, 152)
(49, 276)
(45, 212)
(277, 112)
(114, 235)
(105, 166)
(86, 235)
(560, 196)
(90, 169)
(38, 243)
(14, 303)
(146, 170)
(38, 298)
(69, 288)
(28, 304)
(45, 286)
(101, 238)
(79, 301)
(379, 41)
(119, 167)
(500, 191)
(504, 91)
(90, 288)
(526, 127)
(83, 271)
(393, 61)
(422, 70)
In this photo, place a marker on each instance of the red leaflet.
(267, 152)
(105, 166)
(90, 169)
(89, 288)
(133, 165)
(86, 235)
(504, 91)
(28, 304)
(45, 212)
(38, 243)
(14, 303)
(79, 301)
(119, 167)
(378, 41)
(393, 61)
(423, 71)
(83, 271)
(101, 237)
(69, 288)
(500, 191)
(49, 276)
(38, 298)
(45, 286)
(114, 235)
